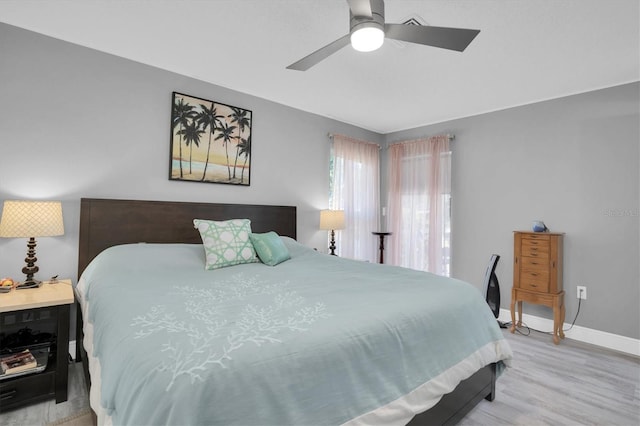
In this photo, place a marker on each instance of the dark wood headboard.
(105, 223)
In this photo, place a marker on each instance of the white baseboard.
(582, 334)
(72, 349)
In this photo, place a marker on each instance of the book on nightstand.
(17, 363)
(21, 363)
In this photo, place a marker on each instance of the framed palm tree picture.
(210, 141)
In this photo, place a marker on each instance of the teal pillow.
(226, 243)
(270, 248)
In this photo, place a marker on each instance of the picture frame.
(210, 141)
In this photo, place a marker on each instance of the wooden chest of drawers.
(537, 276)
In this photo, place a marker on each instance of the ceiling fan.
(368, 31)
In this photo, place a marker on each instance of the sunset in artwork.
(210, 141)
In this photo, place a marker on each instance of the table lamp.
(330, 220)
(31, 219)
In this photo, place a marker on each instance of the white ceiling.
(527, 51)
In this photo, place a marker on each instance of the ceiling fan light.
(367, 39)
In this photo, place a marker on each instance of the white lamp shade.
(331, 220)
(26, 219)
(367, 38)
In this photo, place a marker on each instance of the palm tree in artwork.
(208, 118)
(181, 114)
(239, 116)
(226, 134)
(191, 133)
(245, 149)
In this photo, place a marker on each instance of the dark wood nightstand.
(36, 318)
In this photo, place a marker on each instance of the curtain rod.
(330, 135)
(451, 137)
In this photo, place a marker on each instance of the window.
(355, 188)
(420, 205)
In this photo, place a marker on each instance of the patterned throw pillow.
(270, 248)
(226, 243)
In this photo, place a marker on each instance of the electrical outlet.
(581, 292)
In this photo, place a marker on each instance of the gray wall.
(80, 123)
(571, 162)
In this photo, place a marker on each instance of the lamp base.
(30, 269)
(332, 246)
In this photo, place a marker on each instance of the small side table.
(46, 310)
(381, 246)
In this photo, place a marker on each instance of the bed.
(315, 339)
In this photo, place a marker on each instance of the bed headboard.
(105, 223)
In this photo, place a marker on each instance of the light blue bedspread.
(316, 340)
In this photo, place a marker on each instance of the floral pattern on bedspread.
(211, 338)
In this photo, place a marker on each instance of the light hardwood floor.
(48, 411)
(572, 383)
(569, 384)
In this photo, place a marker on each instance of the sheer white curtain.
(356, 190)
(419, 204)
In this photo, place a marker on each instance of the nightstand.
(36, 318)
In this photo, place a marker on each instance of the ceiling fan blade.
(360, 8)
(320, 54)
(443, 37)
